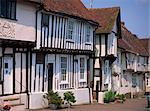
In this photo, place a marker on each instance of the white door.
(8, 75)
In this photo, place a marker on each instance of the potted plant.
(69, 98)
(54, 100)
(109, 96)
(120, 98)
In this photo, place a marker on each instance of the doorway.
(8, 74)
(50, 76)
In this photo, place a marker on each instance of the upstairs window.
(88, 34)
(82, 68)
(70, 30)
(45, 20)
(63, 68)
(8, 9)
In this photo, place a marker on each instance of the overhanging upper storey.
(17, 21)
(65, 26)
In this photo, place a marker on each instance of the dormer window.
(8, 9)
(70, 30)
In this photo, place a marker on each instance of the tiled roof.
(106, 18)
(146, 43)
(69, 7)
(131, 42)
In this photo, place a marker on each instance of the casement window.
(106, 72)
(63, 68)
(70, 30)
(8, 9)
(134, 81)
(88, 34)
(45, 20)
(82, 68)
(39, 58)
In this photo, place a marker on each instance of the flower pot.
(53, 106)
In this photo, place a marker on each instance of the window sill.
(63, 82)
(8, 18)
(69, 40)
(88, 43)
(82, 80)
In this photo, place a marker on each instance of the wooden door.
(50, 76)
(8, 74)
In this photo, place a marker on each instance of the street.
(128, 105)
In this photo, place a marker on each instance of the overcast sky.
(135, 13)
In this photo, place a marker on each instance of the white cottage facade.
(105, 50)
(43, 49)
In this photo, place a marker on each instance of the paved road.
(129, 105)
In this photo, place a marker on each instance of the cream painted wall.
(23, 28)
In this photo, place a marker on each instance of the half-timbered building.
(131, 65)
(45, 45)
(17, 38)
(61, 60)
(105, 48)
(146, 44)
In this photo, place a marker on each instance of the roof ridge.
(103, 8)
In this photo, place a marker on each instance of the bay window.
(8, 9)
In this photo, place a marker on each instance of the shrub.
(121, 97)
(109, 96)
(69, 97)
(53, 98)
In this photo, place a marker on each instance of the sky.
(135, 14)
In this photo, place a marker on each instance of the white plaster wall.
(103, 46)
(37, 101)
(24, 26)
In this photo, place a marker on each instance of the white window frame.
(85, 70)
(70, 30)
(88, 34)
(64, 81)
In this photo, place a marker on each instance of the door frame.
(50, 82)
(8, 55)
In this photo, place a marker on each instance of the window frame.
(83, 68)
(64, 81)
(42, 22)
(10, 13)
(70, 30)
(88, 34)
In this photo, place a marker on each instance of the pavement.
(128, 105)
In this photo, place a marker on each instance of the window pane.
(88, 34)
(82, 68)
(63, 68)
(45, 20)
(8, 8)
(3, 8)
(70, 30)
